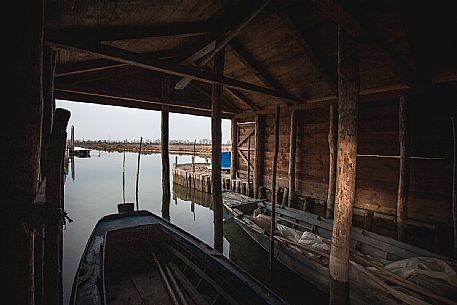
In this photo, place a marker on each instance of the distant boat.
(79, 152)
(139, 258)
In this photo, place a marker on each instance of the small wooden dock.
(198, 176)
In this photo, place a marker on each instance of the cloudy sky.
(100, 122)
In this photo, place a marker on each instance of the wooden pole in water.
(403, 181)
(292, 154)
(273, 189)
(123, 177)
(258, 154)
(454, 199)
(165, 162)
(332, 140)
(20, 163)
(54, 207)
(138, 174)
(234, 152)
(348, 95)
(216, 137)
(193, 157)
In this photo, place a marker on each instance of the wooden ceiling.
(117, 52)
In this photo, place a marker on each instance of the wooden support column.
(292, 152)
(258, 154)
(403, 181)
(348, 95)
(273, 189)
(249, 165)
(234, 153)
(454, 195)
(332, 139)
(49, 104)
(216, 137)
(164, 139)
(20, 158)
(53, 243)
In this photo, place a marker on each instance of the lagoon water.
(93, 188)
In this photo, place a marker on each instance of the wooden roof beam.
(142, 61)
(114, 33)
(315, 54)
(241, 98)
(358, 26)
(225, 40)
(87, 97)
(230, 106)
(255, 67)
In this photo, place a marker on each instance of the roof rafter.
(142, 61)
(314, 54)
(133, 32)
(254, 66)
(225, 40)
(356, 25)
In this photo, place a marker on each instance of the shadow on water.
(250, 256)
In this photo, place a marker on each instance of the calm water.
(94, 189)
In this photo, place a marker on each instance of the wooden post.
(193, 157)
(348, 95)
(332, 135)
(138, 174)
(273, 189)
(165, 163)
(258, 154)
(292, 151)
(234, 153)
(403, 181)
(216, 137)
(454, 199)
(249, 161)
(55, 209)
(20, 161)
(49, 105)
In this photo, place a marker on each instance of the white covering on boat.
(432, 273)
(306, 238)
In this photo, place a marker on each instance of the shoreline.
(152, 148)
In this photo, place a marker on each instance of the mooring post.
(348, 95)
(273, 189)
(55, 209)
(234, 152)
(403, 180)
(332, 139)
(138, 174)
(258, 155)
(216, 137)
(292, 153)
(193, 157)
(165, 163)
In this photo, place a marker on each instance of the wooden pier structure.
(349, 105)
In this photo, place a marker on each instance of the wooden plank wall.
(429, 212)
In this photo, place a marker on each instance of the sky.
(101, 122)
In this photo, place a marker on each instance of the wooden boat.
(370, 281)
(139, 258)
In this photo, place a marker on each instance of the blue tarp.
(225, 160)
